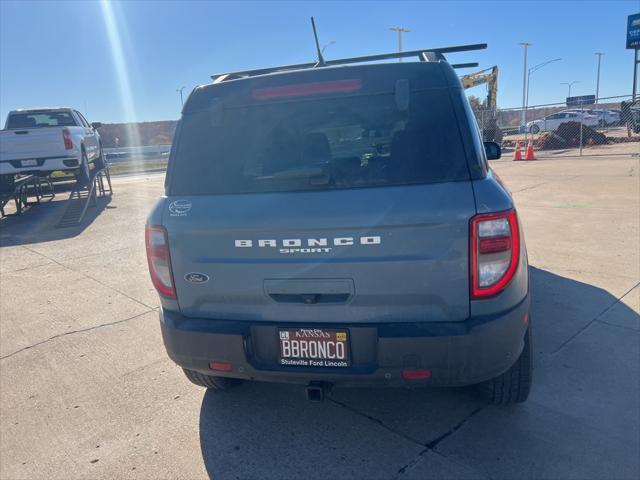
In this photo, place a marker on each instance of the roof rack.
(424, 55)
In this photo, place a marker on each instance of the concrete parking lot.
(87, 391)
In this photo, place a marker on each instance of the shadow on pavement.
(562, 307)
(38, 222)
(261, 430)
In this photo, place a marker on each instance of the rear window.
(40, 119)
(318, 143)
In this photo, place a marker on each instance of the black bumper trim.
(457, 354)
(387, 330)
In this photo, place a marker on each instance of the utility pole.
(523, 120)
(400, 31)
(179, 90)
(599, 54)
(569, 85)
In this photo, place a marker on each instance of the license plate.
(314, 347)
(29, 163)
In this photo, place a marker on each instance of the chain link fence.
(610, 127)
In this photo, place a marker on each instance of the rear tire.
(7, 183)
(209, 381)
(534, 129)
(514, 385)
(83, 172)
(100, 162)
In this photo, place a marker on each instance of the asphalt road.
(86, 390)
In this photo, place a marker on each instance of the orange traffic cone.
(517, 155)
(530, 154)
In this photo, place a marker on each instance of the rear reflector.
(157, 243)
(220, 366)
(307, 89)
(416, 374)
(494, 252)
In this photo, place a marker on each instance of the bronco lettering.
(287, 244)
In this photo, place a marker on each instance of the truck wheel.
(514, 385)
(100, 161)
(7, 183)
(209, 381)
(534, 129)
(83, 172)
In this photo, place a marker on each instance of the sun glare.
(114, 26)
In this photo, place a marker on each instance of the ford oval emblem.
(196, 278)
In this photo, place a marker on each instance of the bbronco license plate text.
(314, 347)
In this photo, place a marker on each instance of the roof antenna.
(315, 35)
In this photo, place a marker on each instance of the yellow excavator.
(489, 125)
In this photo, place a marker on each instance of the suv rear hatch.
(340, 196)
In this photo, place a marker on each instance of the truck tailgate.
(31, 143)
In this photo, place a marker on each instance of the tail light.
(157, 244)
(66, 137)
(494, 253)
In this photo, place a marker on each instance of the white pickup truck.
(44, 140)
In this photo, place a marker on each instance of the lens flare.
(121, 69)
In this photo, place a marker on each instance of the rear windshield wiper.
(300, 172)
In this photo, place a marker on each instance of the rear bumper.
(457, 353)
(71, 162)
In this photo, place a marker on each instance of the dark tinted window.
(40, 119)
(319, 143)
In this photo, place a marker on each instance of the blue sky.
(61, 53)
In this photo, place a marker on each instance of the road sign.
(581, 100)
(633, 31)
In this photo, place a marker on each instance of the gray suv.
(340, 225)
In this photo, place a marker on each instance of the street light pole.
(523, 120)
(569, 84)
(327, 45)
(636, 61)
(529, 72)
(599, 54)
(400, 31)
(179, 90)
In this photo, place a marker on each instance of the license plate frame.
(315, 348)
(29, 162)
